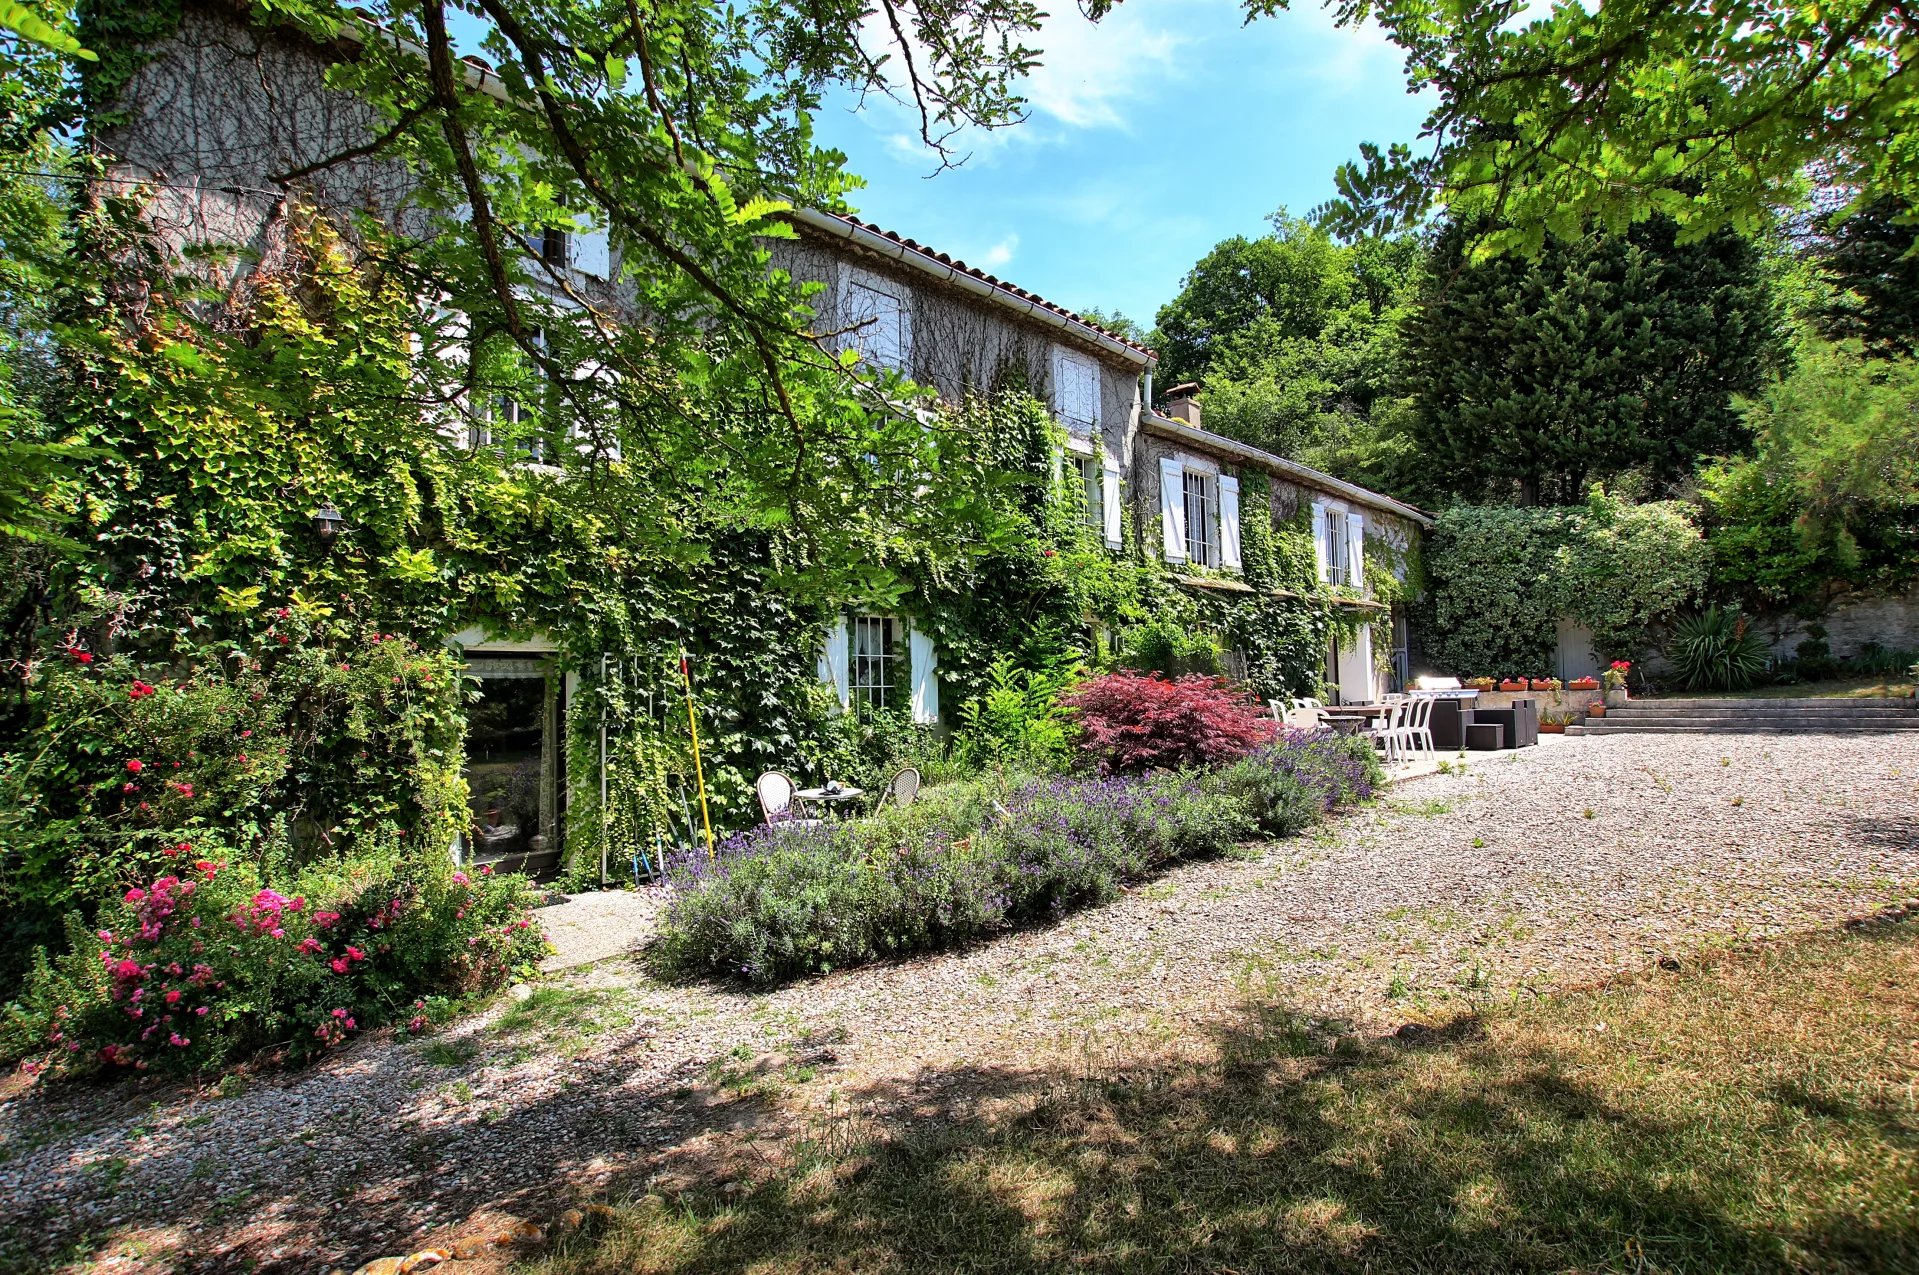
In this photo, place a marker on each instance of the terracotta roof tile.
(993, 280)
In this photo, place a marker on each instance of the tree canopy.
(1709, 114)
(1609, 353)
(1870, 257)
(1293, 338)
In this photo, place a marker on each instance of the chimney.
(1182, 403)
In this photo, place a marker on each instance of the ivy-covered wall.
(1501, 579)
(610, 570)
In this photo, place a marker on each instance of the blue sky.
(1151, 136)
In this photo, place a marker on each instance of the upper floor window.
(587, 251)
(1202, 518)
(1339, 536)
(1076, 391)
(877, 315)
(511, 421)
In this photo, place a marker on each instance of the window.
(1336, 546)
(1092, 482)
(1339, 535)
(1202, 518)
(877, 315)
(588, 251)
(876, 660)
(513, 420)
(1076, 392)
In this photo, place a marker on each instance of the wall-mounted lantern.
(328, 522)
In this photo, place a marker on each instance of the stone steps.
(1759, 716)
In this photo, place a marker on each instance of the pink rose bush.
(205, 965)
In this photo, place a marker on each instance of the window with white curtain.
(875, 661)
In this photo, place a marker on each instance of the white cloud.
(1090, 73)
(996, 257)
(1091, 76)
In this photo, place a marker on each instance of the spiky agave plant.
(1717, 650)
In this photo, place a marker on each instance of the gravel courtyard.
(1553, 866)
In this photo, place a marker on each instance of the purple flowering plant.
(786, 900)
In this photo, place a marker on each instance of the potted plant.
(1583, 684)
(1546, 683)
(1596, 709)
(1614, 680)
(1513, 684)
(1481, 684)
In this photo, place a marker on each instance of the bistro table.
(830, 800)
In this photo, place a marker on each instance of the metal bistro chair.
(901, 790)
(779, 801)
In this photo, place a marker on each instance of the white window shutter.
(1109, 501)
(1172, 508)
(1229, 522)
(1356, 550)
(447, 348)
(1361, 669)
(833, 670)
(1076, 391)
(591, 252)
(1322, 552)
(879, 322)
(926, 686)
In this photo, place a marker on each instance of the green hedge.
(1500, 579)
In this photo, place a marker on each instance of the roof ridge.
(955, 263)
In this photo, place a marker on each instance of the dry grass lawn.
(1753, 1113)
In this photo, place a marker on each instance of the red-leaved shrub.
(1130, 722)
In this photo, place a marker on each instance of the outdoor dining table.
(829, 800)
(1351, 719)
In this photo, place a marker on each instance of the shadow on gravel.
(1887, 831)
(1683, 1121)
(1530, 1141)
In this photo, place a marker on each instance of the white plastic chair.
(1387, 734)
(1414, 732)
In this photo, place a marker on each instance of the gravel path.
(592, 927)
(1558, 865)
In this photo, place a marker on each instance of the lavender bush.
(1291, 784)
(782, 901)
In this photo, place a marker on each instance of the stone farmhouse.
(225, 107)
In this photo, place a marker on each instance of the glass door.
(512, 760)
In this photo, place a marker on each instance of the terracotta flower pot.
(1583, 684)
(1596, 709)
(1509, 687)
(1552, 728)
